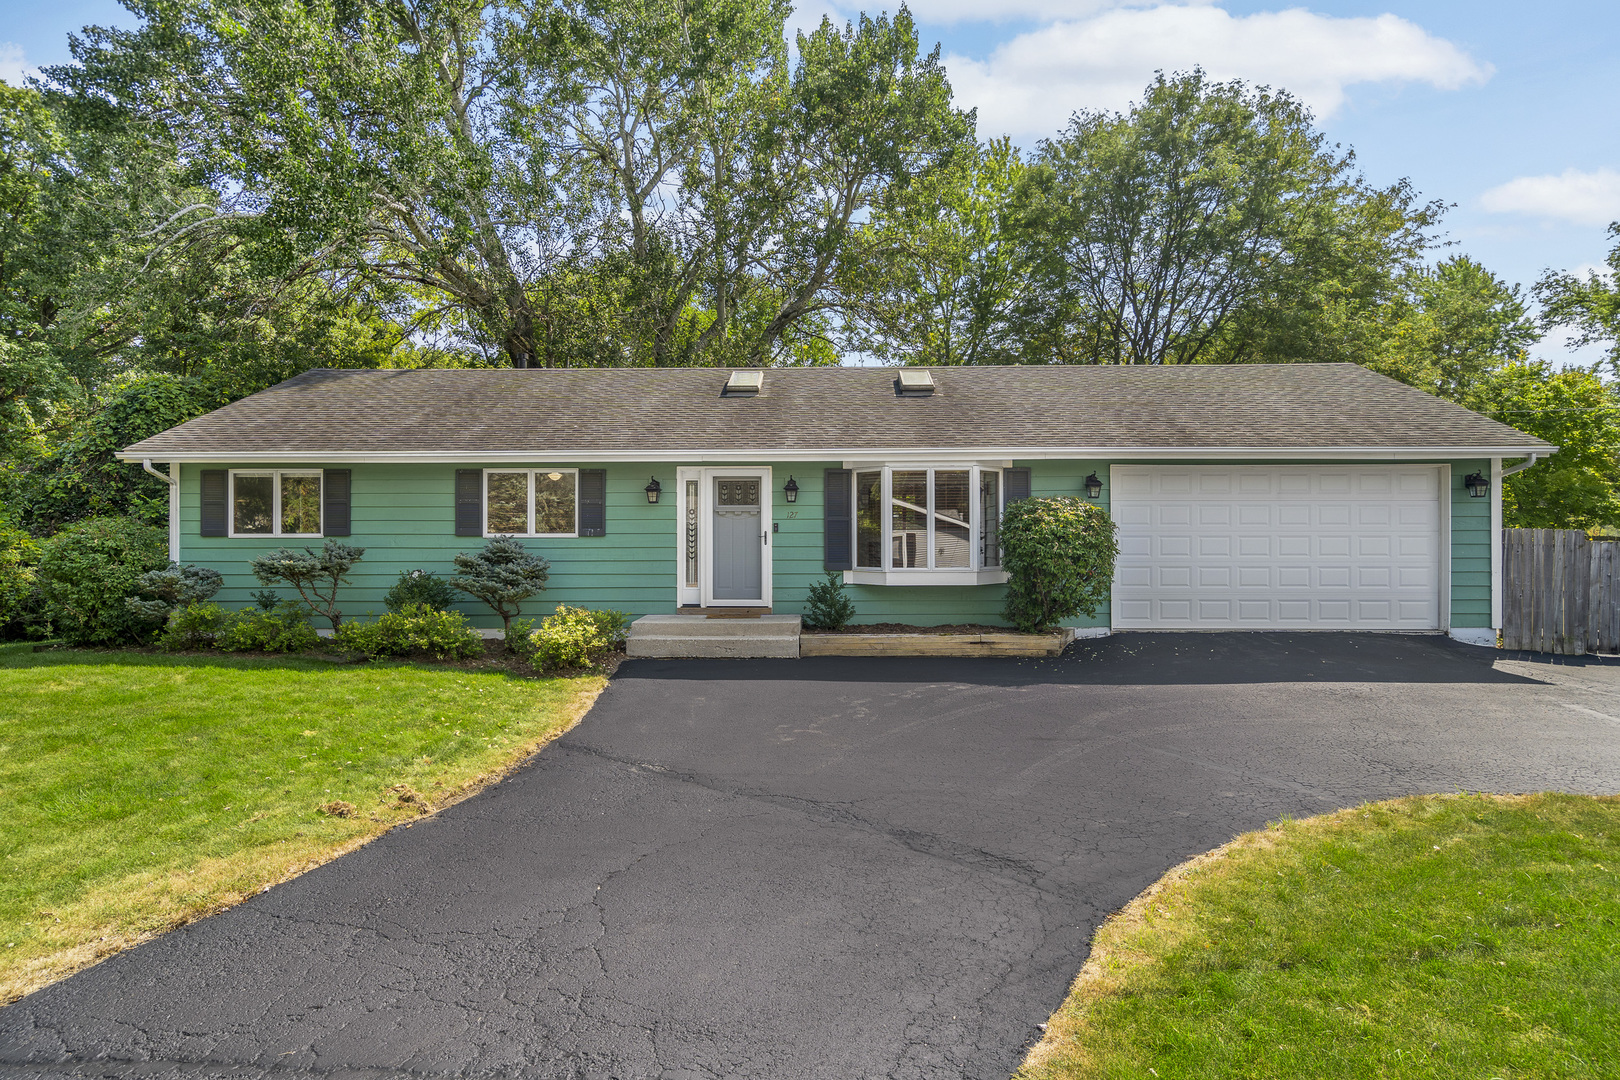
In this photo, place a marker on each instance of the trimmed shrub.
(502, 575)
(418, 628)
(577, 638)
(195, 626)
(1059, 555)
(316, 575)
(19, 585)
(86, 571)
(828, 606)
(518, 639)
(419, 587)
(284, 629)
(160, 592)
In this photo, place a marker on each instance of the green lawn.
(140, 791)
(1445, 936)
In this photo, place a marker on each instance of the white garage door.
(1310, 547)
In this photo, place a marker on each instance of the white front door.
(723, 537)
(1280, 547)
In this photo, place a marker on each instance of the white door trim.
(703, 595)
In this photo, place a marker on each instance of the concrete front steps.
(665, 636)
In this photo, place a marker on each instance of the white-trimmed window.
(531, 502)
(275, 502)
(923, 524)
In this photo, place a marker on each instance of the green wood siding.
(404, 516)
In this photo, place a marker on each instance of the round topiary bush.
(89, 568)
(1059, 555)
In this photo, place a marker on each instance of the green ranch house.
(1265, 497)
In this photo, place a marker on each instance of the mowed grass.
(138, 792)
(1448, 936)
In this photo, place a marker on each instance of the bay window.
(917, 525)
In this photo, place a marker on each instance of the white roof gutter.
(896, 454)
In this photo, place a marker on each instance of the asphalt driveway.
(817, 868)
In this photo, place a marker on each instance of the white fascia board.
(842, 454)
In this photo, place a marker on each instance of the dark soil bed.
(906, 628)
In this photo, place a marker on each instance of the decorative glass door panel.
(739, 539)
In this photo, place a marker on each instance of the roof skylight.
(744, 382)
(915, 382)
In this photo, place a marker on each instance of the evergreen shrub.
(828, 606)
(1059, 555)
(419, 587)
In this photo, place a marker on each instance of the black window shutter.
(335, 502)
(835, 546)
(1017, 482)
(469, 502)
(593, 502)
(216, 500)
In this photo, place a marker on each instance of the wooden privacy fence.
(1560, 593)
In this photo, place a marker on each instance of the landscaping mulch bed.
(906, 628)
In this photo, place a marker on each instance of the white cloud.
(12, 66)
(954, 11)
(1031, 84)
(1585, 198)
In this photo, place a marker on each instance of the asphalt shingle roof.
(578, 412)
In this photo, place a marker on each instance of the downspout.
(1521, 466)
(174, 505)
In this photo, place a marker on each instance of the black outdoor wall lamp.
(791, 490)
(654, 489)
(1093, 487)
(1477, 485)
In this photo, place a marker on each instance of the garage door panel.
(1256, 546)
(1332, 547)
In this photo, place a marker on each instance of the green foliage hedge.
(282, 629)
(1059, 555)
(88, 569)
(19, 561)
(575, 638)
(419, 587)
(416, 628)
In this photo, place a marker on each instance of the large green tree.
(943, 266)
(1588, 305)
(1212, 222)
(1579, 486)
(560, 181)
(1449, 329)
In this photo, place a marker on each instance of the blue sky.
(1505, 109)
